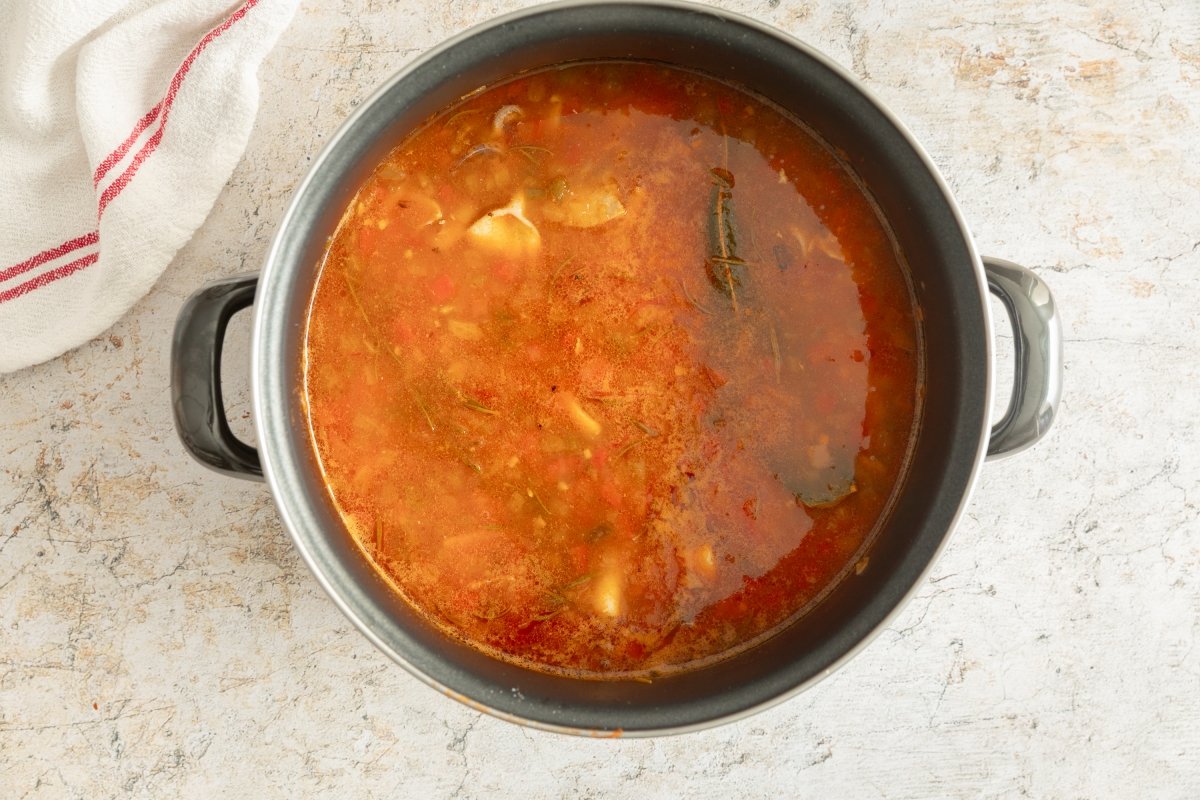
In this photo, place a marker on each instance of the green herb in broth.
(725, 269)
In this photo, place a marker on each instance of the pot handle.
(196, 377)
(1037, 345)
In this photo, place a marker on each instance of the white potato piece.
(705, 561)
(507, 229)
(607, 598)
(585, 208)
(700, 566)
(585, 422)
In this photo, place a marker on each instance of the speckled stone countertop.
(159, 637)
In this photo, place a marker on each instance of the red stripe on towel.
(116, 155)
(68, 246)
(160, 111)
(115, 188)
(48, 277)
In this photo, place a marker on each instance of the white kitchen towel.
(120, 122)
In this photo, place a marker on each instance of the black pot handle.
(1037, 346)
(196, 377)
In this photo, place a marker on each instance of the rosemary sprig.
(475, 405)
(531, 151)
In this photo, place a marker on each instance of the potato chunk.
(608, 595)
(585, 422)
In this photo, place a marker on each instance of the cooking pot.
(950, 281)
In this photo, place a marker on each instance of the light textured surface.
(160, 637)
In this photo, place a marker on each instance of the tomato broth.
(612, 369)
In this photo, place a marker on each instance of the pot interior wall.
(945, 279)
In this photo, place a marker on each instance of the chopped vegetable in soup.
(612, 370)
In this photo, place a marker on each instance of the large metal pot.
(950, 280)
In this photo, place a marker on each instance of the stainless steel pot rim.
(273, 426)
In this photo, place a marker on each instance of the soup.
(612, 370)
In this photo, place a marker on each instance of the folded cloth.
(120, 122)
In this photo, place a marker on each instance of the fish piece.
(504, 115)
(585, 208)
(507, 229)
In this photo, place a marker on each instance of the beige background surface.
(159, 637)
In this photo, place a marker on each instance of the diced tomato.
(442, 288)
(611, 493)
(505, 269)
(600, 458)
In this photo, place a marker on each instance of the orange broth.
(612, 369)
